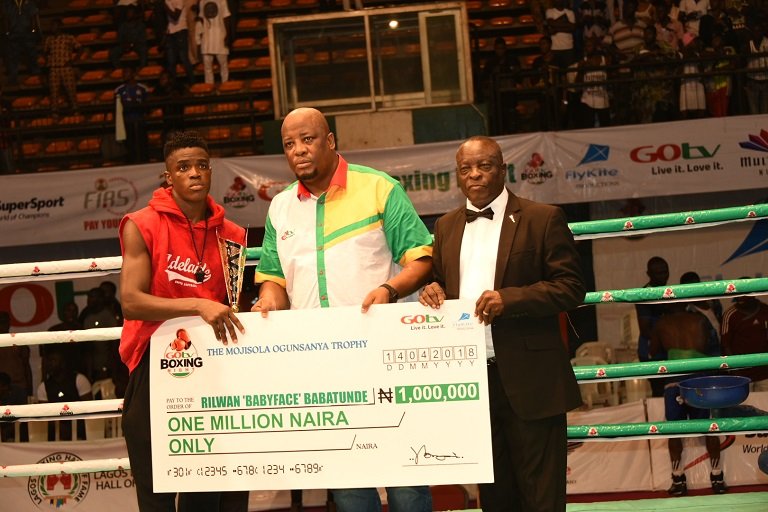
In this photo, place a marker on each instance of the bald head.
(310, 148)
(480, 170)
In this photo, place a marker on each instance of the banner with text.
(708, 155)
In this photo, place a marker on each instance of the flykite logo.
(180, 358)
(464, 316)
(595, 153)
(62, 491)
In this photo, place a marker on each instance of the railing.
(550, 93)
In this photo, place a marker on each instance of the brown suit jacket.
(538, 276)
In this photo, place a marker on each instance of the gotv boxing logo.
(62, 491)
(237, 195)
(180, 358)
(118, 196)
(535, 172)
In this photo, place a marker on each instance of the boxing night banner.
(709, 155)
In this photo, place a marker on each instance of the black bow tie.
(472, 214)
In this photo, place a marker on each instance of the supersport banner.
(709, 155)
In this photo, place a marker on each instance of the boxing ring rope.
(613, 372)
(623, 226)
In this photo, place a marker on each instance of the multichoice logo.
(180, 358)
(62, 491)
(116, 195)
(757, 143)
(237, 195)
(672, 152)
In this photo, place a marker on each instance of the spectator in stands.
(691, 12)
(560, 24)
(625, 38)
(653, 94)
(745, 331)
(100, 354)
(121, 10)
(718, 87)
(7, 165)
(131, 36)
(216, 33)
(72, 351)
(158, 22)
(110, 300)
(716, 21)
(593, 19)
(669, 31)
(130, 98)
(693, 101)
(500, 75)
(21, 27)
(546, 76)
(645, 12)
(61, 50)
(14, 360)
(682, 334)
(62, 384)
(626, 34)
(594, 100)
(756, 87)
(177, 39)
(11, 394)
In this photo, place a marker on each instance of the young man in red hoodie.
(172, 268)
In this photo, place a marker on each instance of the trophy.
(233, 260)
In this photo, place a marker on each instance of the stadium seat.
(94, 75)
(502, 21)
(110, 36)
(261, 84)
(527, 61)
(219, 134)
(252, 5)
(97, 19)
(72, 120)
(262, 105)
(150, 72)
(59, 146)
(232, 86)
(86, 97)
(239, 64)
(221, 108)
(71, 21)
(262, 62)
(77, 4)
(531, 39)
(33, 81)
(155, 138)
(247, 24)
(153, 52)
(243, 43)
(103, 3)
(476, 23)
(201, 89)
(116, 74)
(499, 4)
(40, 122)
(474, 5)
(25, 102)
(194, 110)
(100, 117)
(99, 55)
(246, 132)
(107, 97)
(306, 3)
(279, 4)
(87, 37)
(264, 42)
(30, 148)
(89, 144)
(526, 19)
(155, 113)
(355, 53)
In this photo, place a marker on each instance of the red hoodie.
(166, 233)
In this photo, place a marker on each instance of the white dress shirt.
(477, 263)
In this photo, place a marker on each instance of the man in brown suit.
(520, 264)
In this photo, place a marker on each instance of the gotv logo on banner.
(116, 195)
(671, 152)
(62, 491)
(180, 358)
(237, 195)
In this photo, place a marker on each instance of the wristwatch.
(393, 294)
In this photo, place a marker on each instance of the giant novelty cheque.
(322, 398)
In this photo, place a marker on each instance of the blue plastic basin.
(715, 392)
